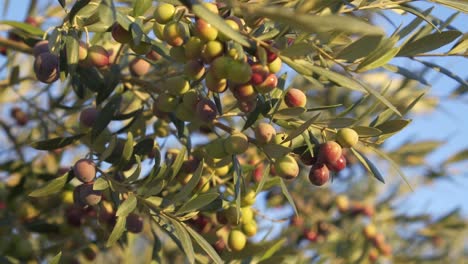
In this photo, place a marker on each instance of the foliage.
(187, 113)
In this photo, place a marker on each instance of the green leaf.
(190, 186)
(445, 71)
(393, 126)
(415, 23)
(364, 131)
(32, 30)
(298, 50)
(140, 7)
(429, 43)
(406, 73)
(127, 150)
(100, 184)
(461, 46)
(106, 115)
(51, 187)
(127, 206)
(72, 46)
(204, 245)
(175, 167)
(303, 127)
(417, 13)
(273, 249)
(184, 238)
(275, 150)
(288, 196)
(394, 165)
(290, 112)
(265, 173)
(117, 232)
(370, 167)
(197, 202)
(55, 143)
(459, 156)
(56, 259)
(380, 56)
(217, 22)
(316, 24)
(359, 48)
(456, 4)
(339, 122)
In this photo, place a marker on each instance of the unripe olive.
(231, 215)
(286, 167)
(214, 84)
(134, 223)
(231, 23)
(141, 49)
(166, 102)
(206, 110)
(329, 152)
(190, 99)
(215, 149)
(275, 66)
(221, 67)
(247, 214)
(176, 85)
(212, 7)
(205, 30)
(139, 67)
(120, 34)
(203, 185)
(249, 228)
(222, 171)
(211, 50)
(370, 231)
(87, 195)
(174, 33)
(177, 53)
(22, 248)
(249, 198)
(184, 114)
(319, 174)
(342, 203)
(264, 133)
(41, 47)
(338, 165)
(240, 72)
(237, 240)
(236, 144)
(164, 13)
(193, 48)
(46, 67)
(161, 128)
(295, 98)
(84, 170)
(268, 84)
(347, 137)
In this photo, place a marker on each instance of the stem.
(15, 45)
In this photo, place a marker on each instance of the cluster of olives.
(354, 208)
(238, 226)
(330, 156)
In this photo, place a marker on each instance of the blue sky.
(448, 122)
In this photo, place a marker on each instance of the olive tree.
(178, 131)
